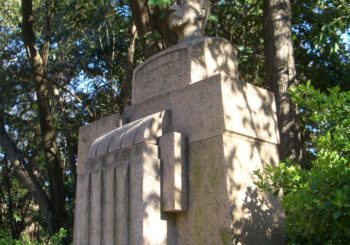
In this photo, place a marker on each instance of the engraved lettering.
(162, 74)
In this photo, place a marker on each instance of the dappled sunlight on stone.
(182, 65)
(182, 164)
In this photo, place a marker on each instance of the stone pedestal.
(201, 133)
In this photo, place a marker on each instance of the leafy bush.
(317, 200)
(6, 239)
(56, 239)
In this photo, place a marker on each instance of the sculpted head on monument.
(188, 18)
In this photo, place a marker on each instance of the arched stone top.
(145, 129)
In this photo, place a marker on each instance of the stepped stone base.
(179, 170)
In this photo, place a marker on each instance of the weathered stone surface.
(153, 127)
(161, 73)
(181, 65)
(254, 212)
(121, 228)
(122, 201)
(147, 129)
(188, 18)
(135, 206)
(117, 138)
(208, 218)
(81, 222)
(145, 223)
(233, 105)
(95, 207)
(230, 135)
(104, 142)
(154, 228)
(231, 130)
(249, 110)
(109, 188)
(129, 136)
(174, 174)
(224, 204)
(94, 147)
(89, 133)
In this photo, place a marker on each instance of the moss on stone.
(225, 235)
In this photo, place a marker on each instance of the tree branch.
(25, 175)
(47, 31)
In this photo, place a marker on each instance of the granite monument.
(177, 166)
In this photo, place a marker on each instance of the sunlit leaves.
(321, 47)
(240, 22)
(317, 199)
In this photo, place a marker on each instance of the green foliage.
(86, 66)
(56, 239)
(321, 52)
(160, 3)
(240, 22)
(317, 199)
(88, 50)
(6, 239)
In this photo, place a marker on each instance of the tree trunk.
(129, 68)
(280, 74)
(26, 176)
(11, 218)
(71, 147)
(48, 137)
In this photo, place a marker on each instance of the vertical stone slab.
(87, 134)
(174, 177)
(81, 226)
(208, 218)
(90, 132)
(95, 208)
(254, 212)
(154, 228)
(108, 200)
(145, 221)
(122, 203)
(135, 203)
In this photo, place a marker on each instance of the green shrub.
(316, 200)
(56, 239)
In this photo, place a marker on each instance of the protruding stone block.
(174, 174)
(145, 129)
(208, 108)
(229, 136)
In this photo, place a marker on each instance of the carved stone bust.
(188, 18)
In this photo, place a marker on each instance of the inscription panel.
(160, 74)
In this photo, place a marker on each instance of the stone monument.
(177, 166)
